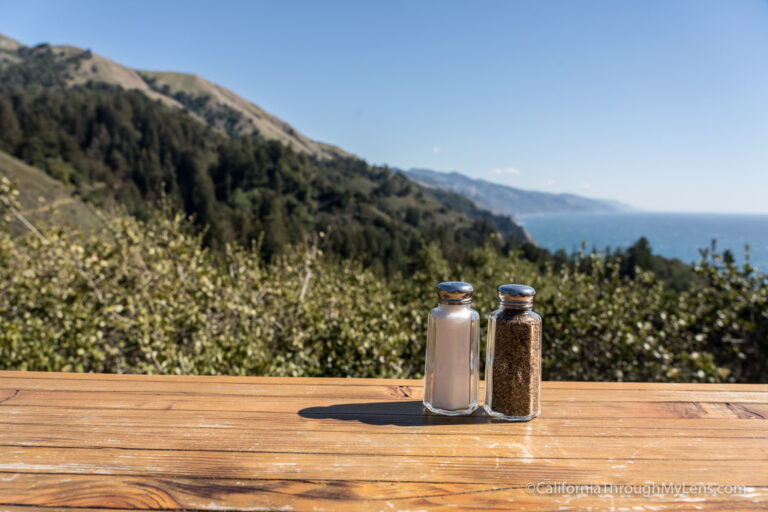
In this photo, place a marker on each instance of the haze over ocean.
(675, 235)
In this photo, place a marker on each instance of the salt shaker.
(513, 358)
(451, 372)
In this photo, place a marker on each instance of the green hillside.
(43, 199)
(66, 66)
(109, 143)
(245, 175)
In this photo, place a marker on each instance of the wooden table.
(219, 443)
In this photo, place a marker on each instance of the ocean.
(674, 235)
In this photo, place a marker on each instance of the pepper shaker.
(513, 359)
(452, 362)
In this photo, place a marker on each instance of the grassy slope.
(100, 69)
(253, 117)
(44, 199)
(8, 44)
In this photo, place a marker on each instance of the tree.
(196, 187)
(9, 126)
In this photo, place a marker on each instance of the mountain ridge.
(505, 200)
(203, 99)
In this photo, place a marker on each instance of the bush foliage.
(148, 297)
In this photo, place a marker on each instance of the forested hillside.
(139, 148)
(46, 67)
(244, 189)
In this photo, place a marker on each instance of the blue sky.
(661, 104)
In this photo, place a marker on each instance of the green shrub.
(148, 297)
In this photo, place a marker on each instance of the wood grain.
(407, 425)
(354, 406)
(206, 381)
(378, 443)
(130, 493)
(128, 442)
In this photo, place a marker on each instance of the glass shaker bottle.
(513, 359)
(451, 372)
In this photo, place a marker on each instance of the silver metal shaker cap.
(454, 292)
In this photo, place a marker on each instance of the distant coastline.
(671, 234)
(511, 201)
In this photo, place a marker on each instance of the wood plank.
(206, 379)
(394, 425)
(370, 443)
(146, 493)
(320, 466)
(333, 381)
(321, 406)
(709, 393)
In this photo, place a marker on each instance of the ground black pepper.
(514, 359)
